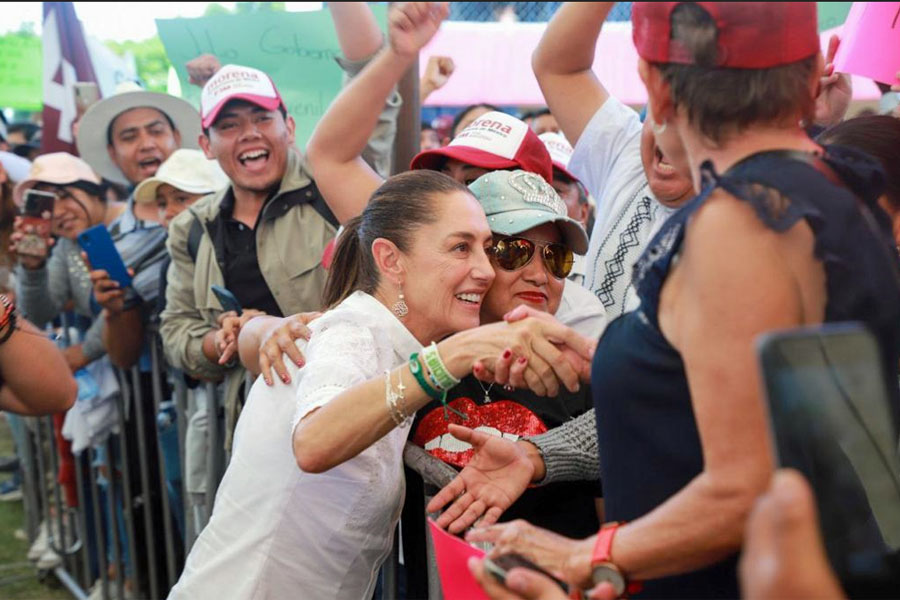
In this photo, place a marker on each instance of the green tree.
(151, 60)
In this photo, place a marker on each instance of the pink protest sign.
(870, 42)
(453, 555)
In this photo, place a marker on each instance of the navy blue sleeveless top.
(649, 444)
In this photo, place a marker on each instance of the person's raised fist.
(411, 25)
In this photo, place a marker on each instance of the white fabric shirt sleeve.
(582, 311)
(609, 132)
(339, 357)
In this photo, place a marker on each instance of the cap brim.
(145, 192)
(16, 167)
(514, 222)
(434, 159)
(261, 101)
(92, 140)
(24, 186)
(558, 167)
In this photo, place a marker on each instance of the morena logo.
(489, 124)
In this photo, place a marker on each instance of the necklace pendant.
(487, 398)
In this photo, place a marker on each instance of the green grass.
(18, 577)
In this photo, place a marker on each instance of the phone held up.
(102, 254)
(37, 217)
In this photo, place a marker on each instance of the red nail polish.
(507, 354)
(523, 360)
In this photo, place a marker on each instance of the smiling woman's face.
(532, 285)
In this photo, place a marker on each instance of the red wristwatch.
(603, 569)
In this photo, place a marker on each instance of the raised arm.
(336, 146)
(357, 31)
(335, 428)
(562, 64)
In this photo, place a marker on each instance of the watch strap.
(603, 554)
(603, 546)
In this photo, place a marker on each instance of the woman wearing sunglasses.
(412, 270)
(534, 243)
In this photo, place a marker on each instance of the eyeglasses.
(513, 253)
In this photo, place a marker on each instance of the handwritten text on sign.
(297, 50)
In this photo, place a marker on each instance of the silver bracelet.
(391, 398)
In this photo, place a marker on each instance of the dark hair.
(721, 101)
(109, 128)
(397, 208)
(534, 114)
(465, 111)
(8, 212)
(26, 128)
(879, 137)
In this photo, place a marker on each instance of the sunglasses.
(513, 253)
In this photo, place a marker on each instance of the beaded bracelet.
(432, 358)
(416, 370)
(7, 319)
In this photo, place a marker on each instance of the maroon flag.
(66, 60)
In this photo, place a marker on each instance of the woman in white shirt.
(411, 269)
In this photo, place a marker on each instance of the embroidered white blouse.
(277, 532)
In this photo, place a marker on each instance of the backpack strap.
(321, 207)
(195, 233)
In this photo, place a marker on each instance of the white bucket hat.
(94, 127)
(187, 170)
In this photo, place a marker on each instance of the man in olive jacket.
(262, 238)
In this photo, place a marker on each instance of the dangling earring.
(400, 308)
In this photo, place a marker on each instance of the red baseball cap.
(752, 35)
(560, 152)
(234, 82)
(495, 140)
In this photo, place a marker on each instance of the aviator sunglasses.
(513, 253)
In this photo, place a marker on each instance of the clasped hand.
(541, 354)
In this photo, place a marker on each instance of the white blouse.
(278, 532)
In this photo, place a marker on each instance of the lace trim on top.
(781, 192)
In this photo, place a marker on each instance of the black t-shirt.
(567, 508)
(243, 276)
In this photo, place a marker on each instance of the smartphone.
(86, 95)
(102, 254)
(37, 216)
(500, 566)
(227, 299)
(832, 419)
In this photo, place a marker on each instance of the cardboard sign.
(453, 554)
(870, 42)
(296, 49)
(20, 72)
(832, 14)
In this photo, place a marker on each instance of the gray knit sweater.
(570, 451)
(42, 293)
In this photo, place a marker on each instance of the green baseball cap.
(516, 201)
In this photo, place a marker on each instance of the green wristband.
(416, 369)
(432, 358)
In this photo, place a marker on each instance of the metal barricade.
(120, 533)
